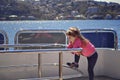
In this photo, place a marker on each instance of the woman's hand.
(77, 53)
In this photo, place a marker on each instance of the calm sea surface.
(11, 27)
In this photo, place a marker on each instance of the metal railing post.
(60, 66)
(39, 66)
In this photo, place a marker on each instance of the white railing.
(39, 52)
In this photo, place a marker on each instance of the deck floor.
(96, 78)
(78, 78)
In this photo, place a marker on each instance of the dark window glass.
(101, 39)
(1, 40)
(42, 38)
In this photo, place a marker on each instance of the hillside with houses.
(58, 10)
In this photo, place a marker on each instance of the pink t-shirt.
(87, 51)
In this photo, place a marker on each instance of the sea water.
(12, 27)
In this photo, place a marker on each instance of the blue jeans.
(91, 63)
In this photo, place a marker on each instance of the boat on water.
(42, 54)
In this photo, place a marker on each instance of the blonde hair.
(75, 32)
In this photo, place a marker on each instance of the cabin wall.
(112, 63)
(11, 66)
(108, 64)
(14, 66)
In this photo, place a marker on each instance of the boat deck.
(77, 78)
(96, 78)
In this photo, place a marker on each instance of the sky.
(117, 1)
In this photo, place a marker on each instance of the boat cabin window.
(102, 39)
(3, 39)
(41, 37)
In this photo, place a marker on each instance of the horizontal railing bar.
(23, 65)
(36, 65)
(41, 50)
(30, 65)
(30, 45)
